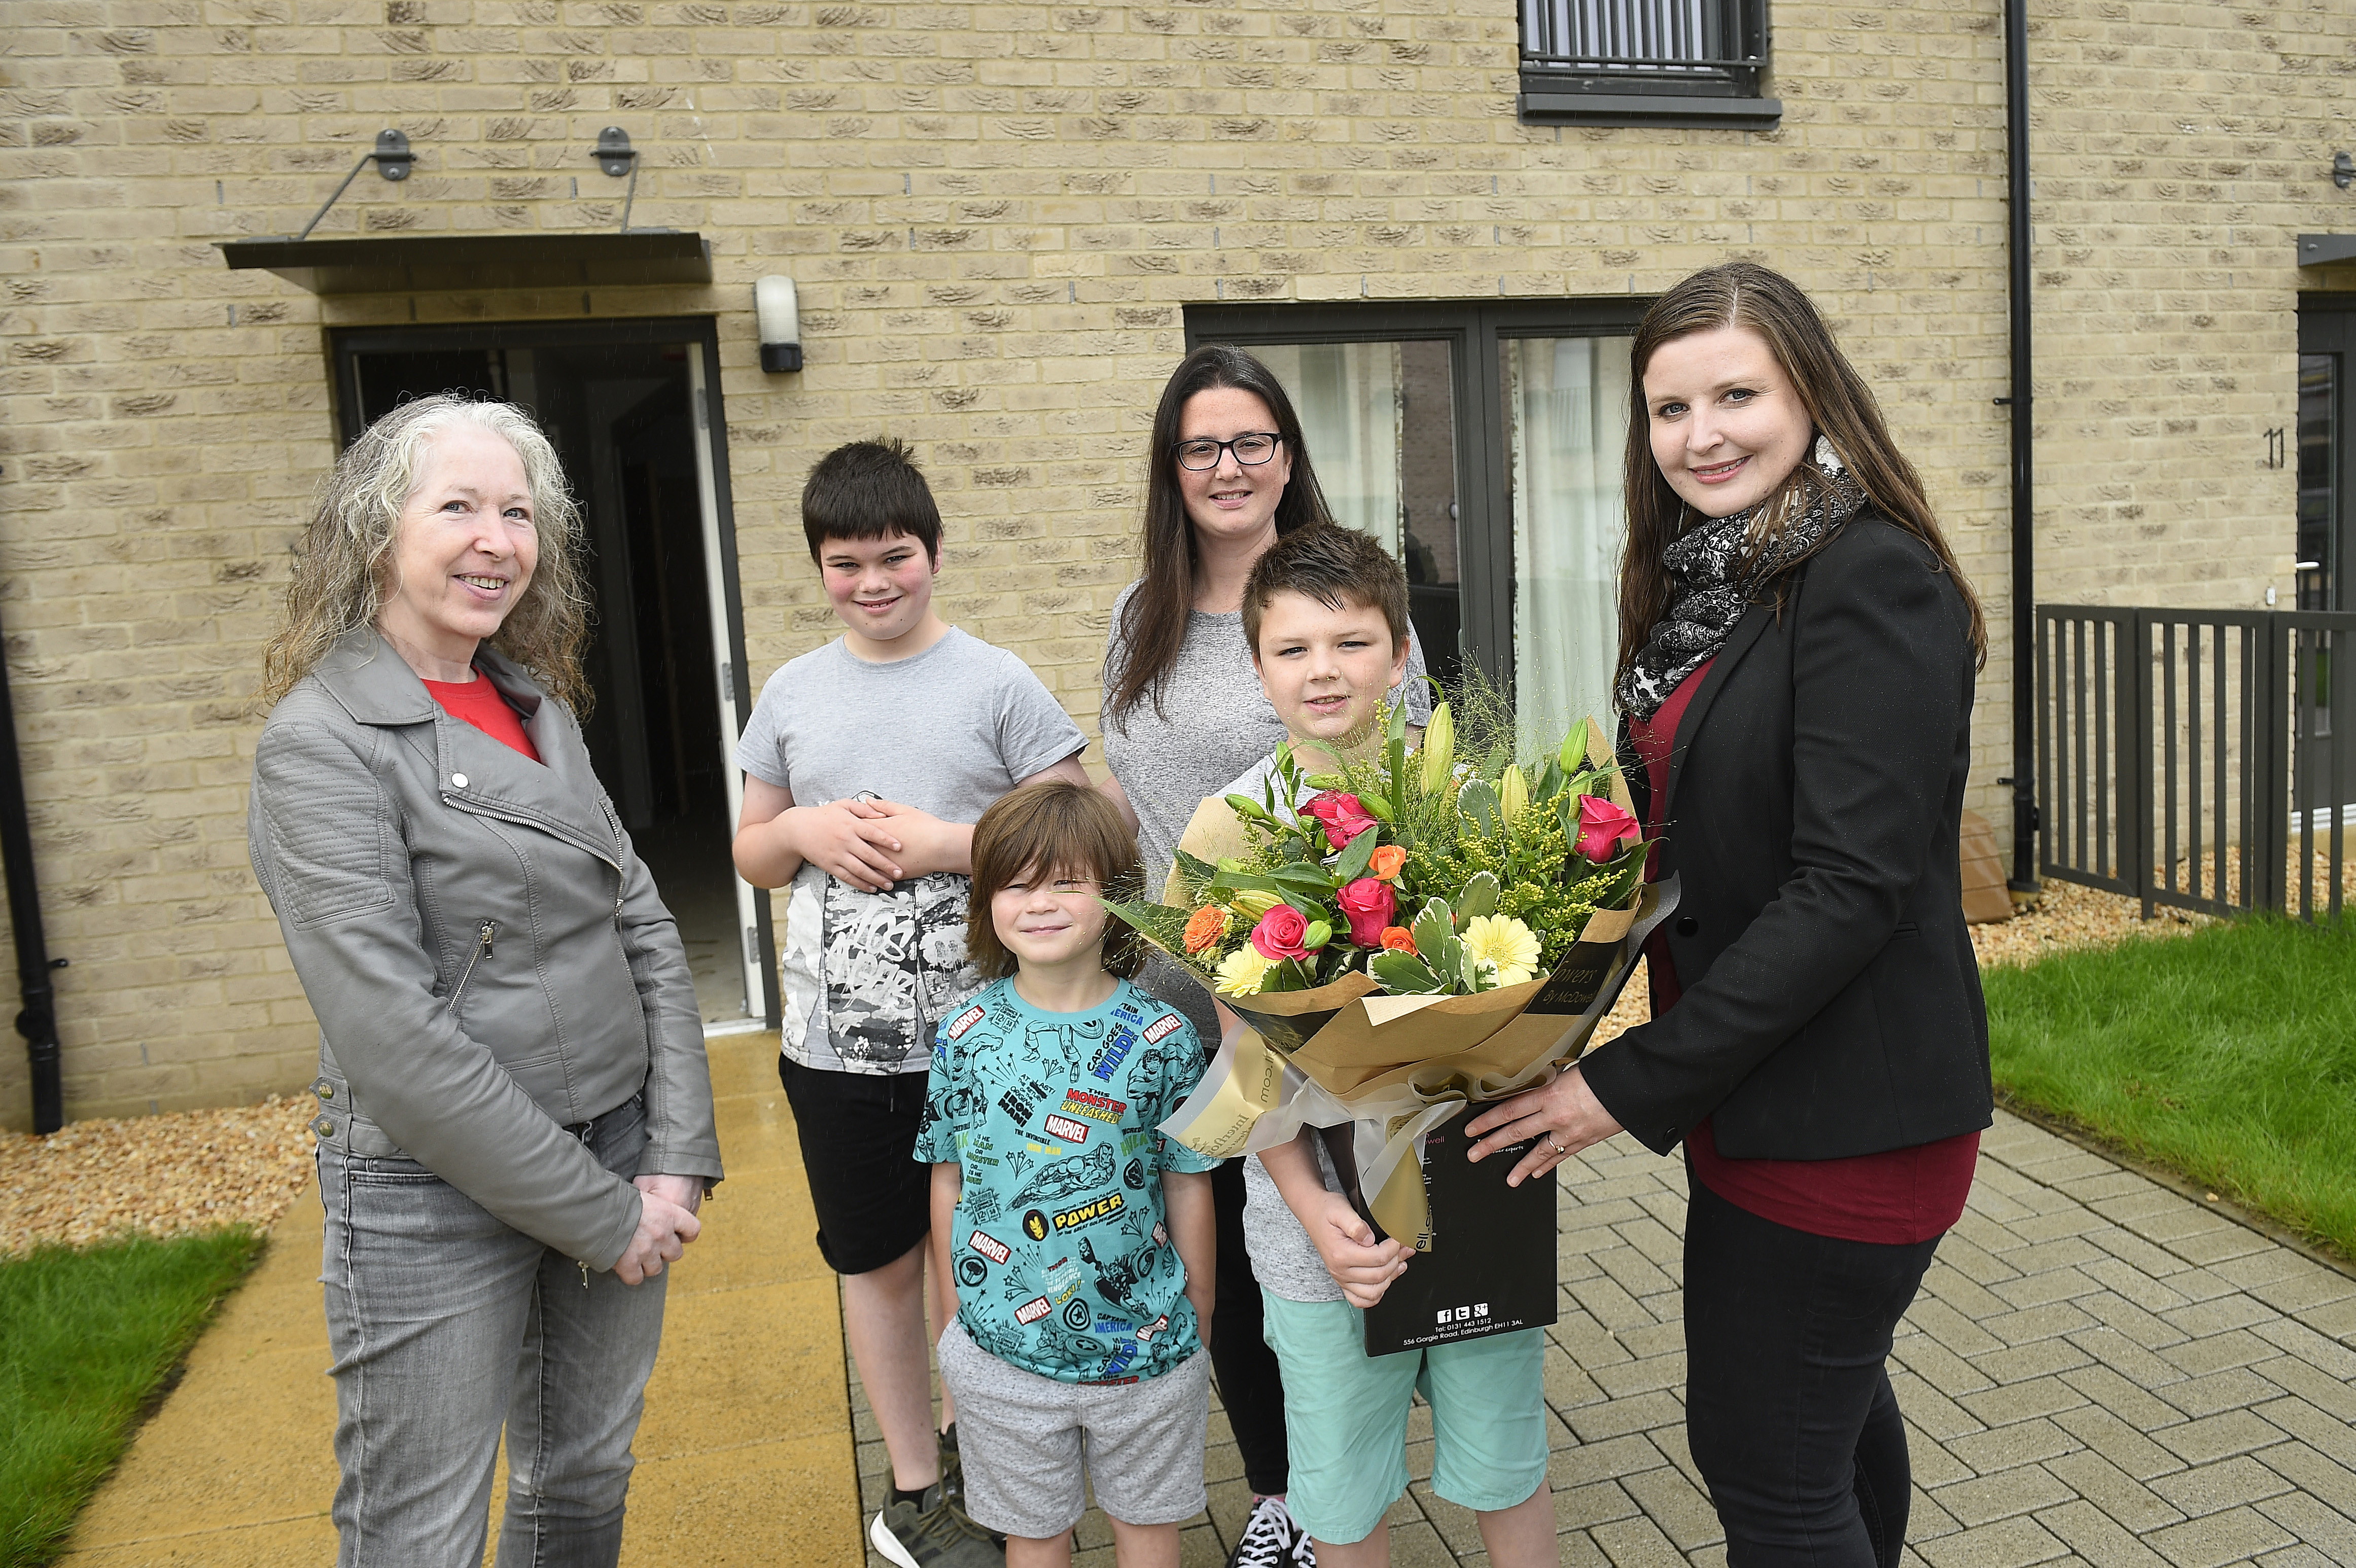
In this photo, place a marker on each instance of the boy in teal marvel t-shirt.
(1061, 1253)
(1079, 1236)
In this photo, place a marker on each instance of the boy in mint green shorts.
(1325, 612)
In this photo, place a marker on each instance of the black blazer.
(1831, 1003)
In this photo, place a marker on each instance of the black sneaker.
(1271, 1538)
(952, 1468)
(932, 1532)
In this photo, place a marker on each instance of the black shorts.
(858, 1131)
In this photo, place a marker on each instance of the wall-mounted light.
(778, 315)
(2343, 170)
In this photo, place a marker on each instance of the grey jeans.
(447, 1325)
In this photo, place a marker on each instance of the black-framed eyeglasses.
(1252, 448)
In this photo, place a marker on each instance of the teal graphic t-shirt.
(1060, 1247)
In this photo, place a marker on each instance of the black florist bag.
(1491, 1267)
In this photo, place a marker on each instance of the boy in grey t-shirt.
(866, 763)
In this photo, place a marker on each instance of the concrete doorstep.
(2098, 1369)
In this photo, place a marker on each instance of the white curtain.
(1348, 397)
(1567, 421)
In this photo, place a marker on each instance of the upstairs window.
(1647, 62)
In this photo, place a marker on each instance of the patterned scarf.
(1714, 583)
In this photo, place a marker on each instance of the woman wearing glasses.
(1182, 717)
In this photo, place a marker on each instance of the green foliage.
(1404, 974)
(1193, 874)
(1159, 924)
(1527, 860)
(2229, 1054)
(1555, 911)
(87, 1336)
(1479, 896)
(1477, 801)
(1480, 838)
(1352, 865)
(1434, 931)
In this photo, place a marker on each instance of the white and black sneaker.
(927, 1531)
(1271, 1539)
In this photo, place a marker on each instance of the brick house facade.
(999, 218)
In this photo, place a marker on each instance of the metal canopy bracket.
(2323, 249)
(422, 263)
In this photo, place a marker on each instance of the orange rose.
(1207, 925)
(1397, 940)
(1385, 861)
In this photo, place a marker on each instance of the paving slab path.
(745, 1456)
(2099, 1370)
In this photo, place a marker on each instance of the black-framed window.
(1647, 62)
(2327, 532)
(1484, 444)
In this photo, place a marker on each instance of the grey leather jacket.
(489, 961)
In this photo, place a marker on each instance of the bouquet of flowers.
(1403, 934)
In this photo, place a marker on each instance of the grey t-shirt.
(1283, 1260)
(1214, 723)
(948, 730)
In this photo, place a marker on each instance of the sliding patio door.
(1481, 444)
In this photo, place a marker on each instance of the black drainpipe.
(2024, 532)
(39, 1020)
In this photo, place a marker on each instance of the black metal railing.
(1698, 48)
(2197, 759)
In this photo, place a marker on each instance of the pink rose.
(1367, 904)
(1341, 815)
(1277, 936)
(1604, 829)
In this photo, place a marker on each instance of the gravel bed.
(192, 1169)
(187, 1170)
(2067, 916)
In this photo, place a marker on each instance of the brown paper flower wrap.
(1348, 1050)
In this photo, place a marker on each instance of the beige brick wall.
(996, 215)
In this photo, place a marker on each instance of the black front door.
(618, 401)
(2326, 757)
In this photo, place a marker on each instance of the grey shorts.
(1022, 1439)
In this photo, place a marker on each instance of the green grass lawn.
(88, 1336)
(2228, 1054)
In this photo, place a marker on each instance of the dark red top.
(1897, 1197)
(479, 703)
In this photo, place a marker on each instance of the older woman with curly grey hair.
(515, 1117)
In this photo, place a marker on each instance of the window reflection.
(2319, 387)
(1380, 420)
(1566, 403)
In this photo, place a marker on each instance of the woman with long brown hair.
(515, 1119)
(1797, 652)
(1228, 474)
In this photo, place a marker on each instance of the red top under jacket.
(479, 702)
(1899, 1197)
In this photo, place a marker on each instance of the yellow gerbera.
(1502, 940)
(1242, 972)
